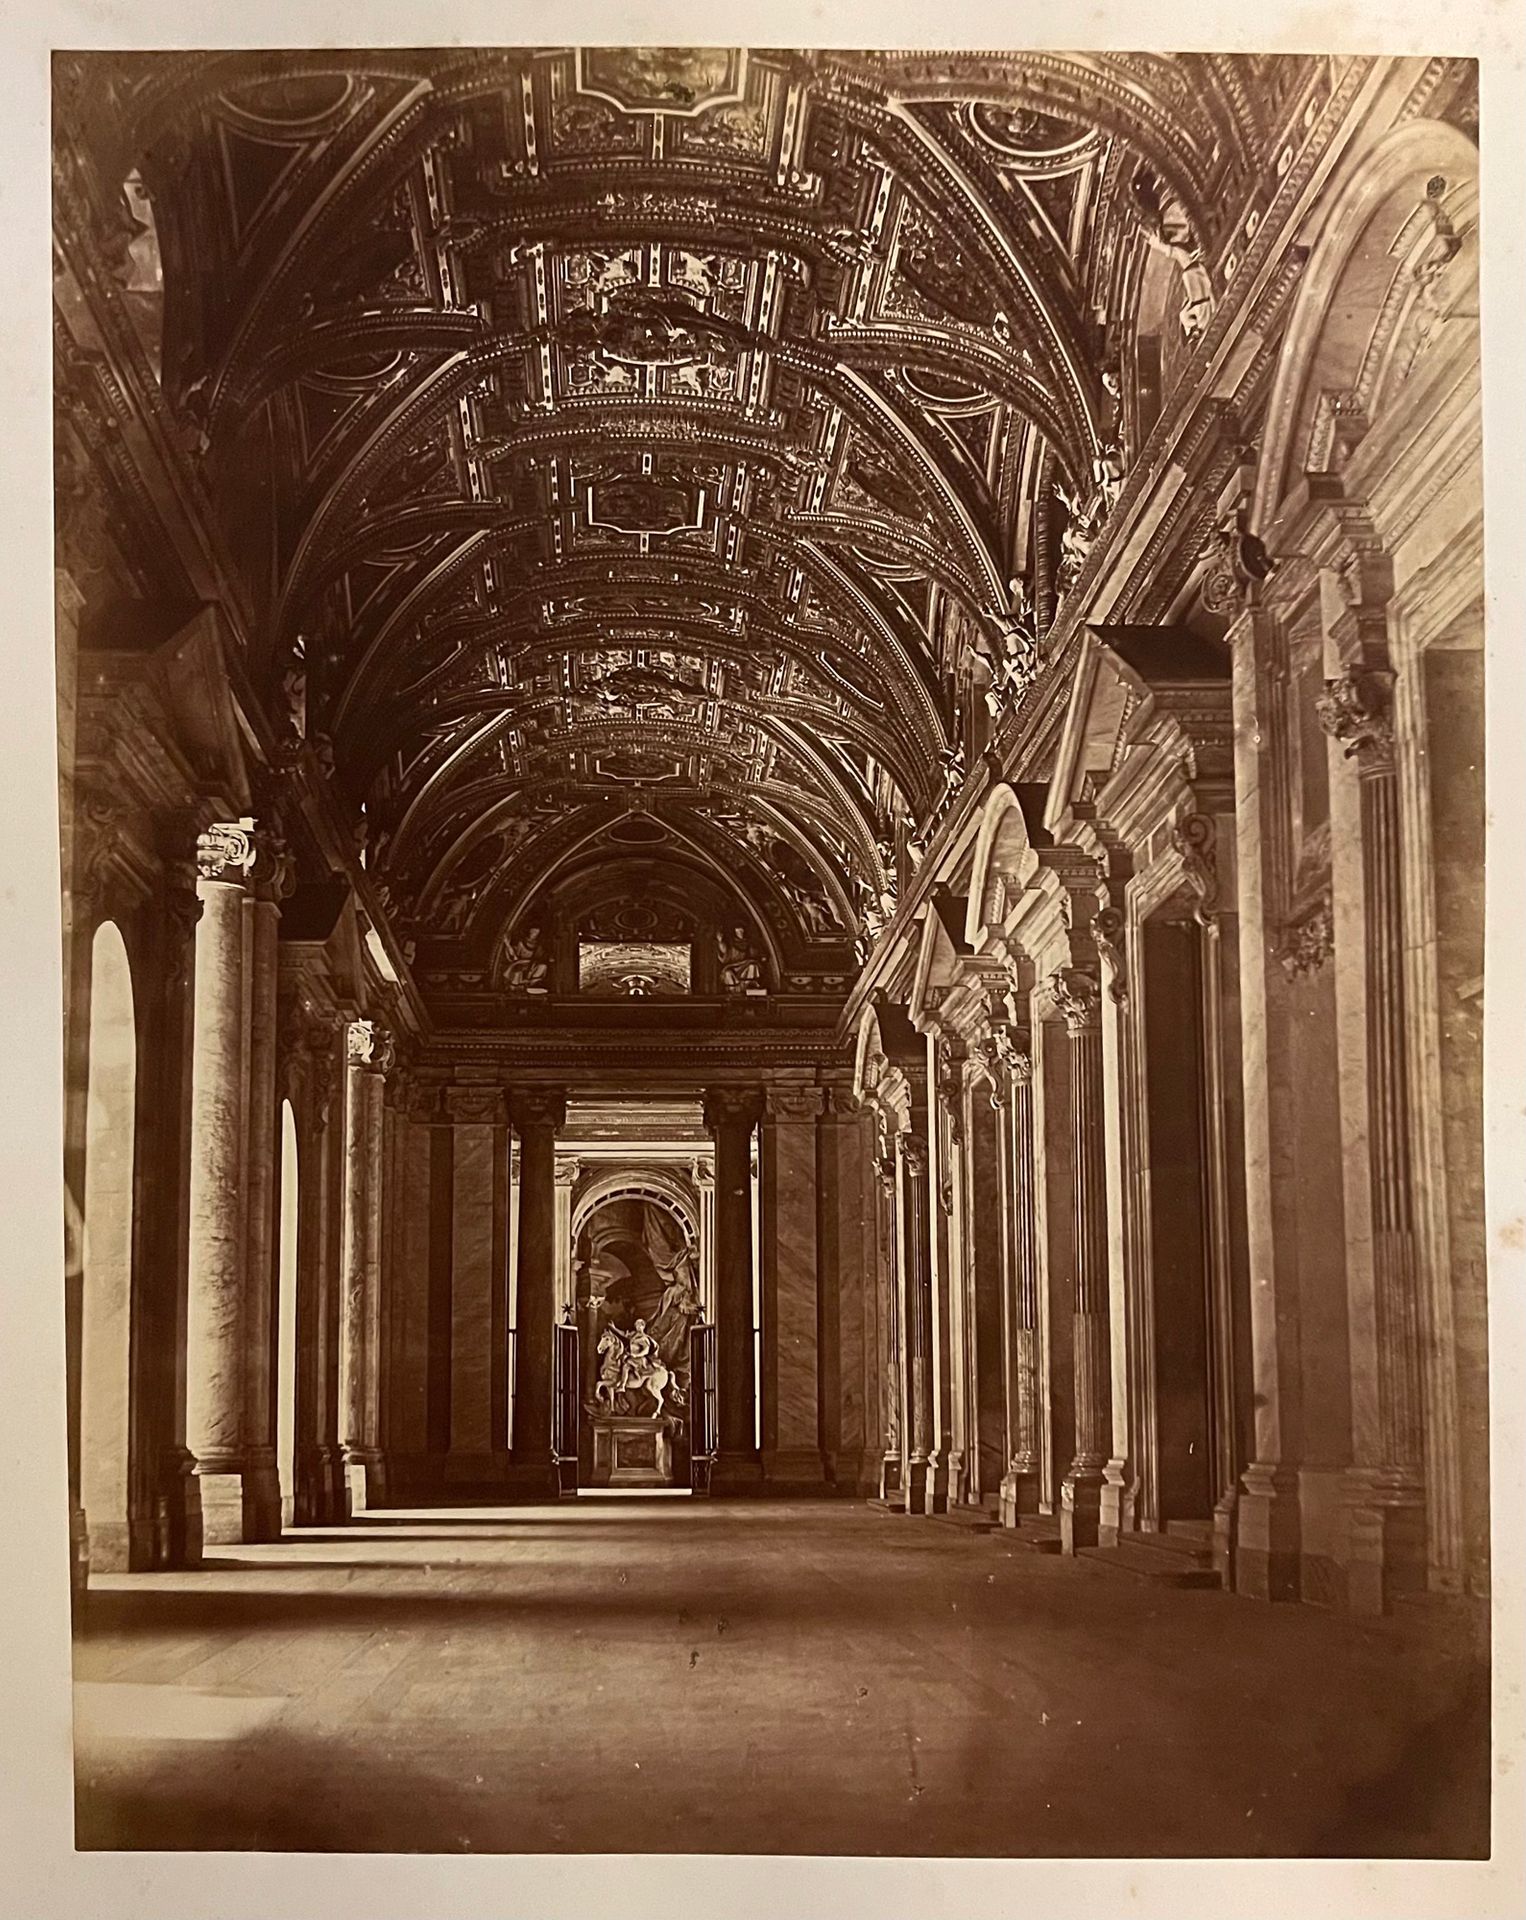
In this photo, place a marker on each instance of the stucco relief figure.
(1166, 225)
(741, 970)
(526, 969)
(679, 1309)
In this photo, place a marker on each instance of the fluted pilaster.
(1075, 993)
(1387, 1481)
(1013, 1100)
(368, 1057)
(920, 1491)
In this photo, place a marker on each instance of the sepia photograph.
(771, 815)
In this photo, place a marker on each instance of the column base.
(1224, 1536)
(482, 1468)
(262, 1500)
(935, 1487)
(1081, 1509)
(365, 1480)
(79, 1551)
(890, 1486)
(532, 1477)
(856, 1476)
(177, 1540)
(1019, 1496)
(222, 1508)
(1268, 1534)
(1115, 1518)
(1387, 1544)
(915, 1488)
(329, 1488)
(109, 1546)
(794, 1470)
(736, 1475)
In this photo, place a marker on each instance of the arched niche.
(106, 1325)
(1004, 866)
(1378, 288)
(612, 1222)
(663, 1189)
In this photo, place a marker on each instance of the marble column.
(332, 1070)
(368, 1055)
(537, 1113)
(476, 1115)
(1013, 1099)
(945, 1464)
(1075, 994)
(916, 1237)
(791, 1402)
(225, 854)
(731, 1113)
(1268, 1526)
(887, 1238)
(1386, 1483)
(271, 879)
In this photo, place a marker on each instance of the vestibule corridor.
(669, 1675)
(771, 789)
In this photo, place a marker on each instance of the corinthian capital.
(732, 1106)
(369, 1046)
(1357, 710)
(226, 850)
(1075, 995)
(794, 1103)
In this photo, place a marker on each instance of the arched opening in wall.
(636, 1262)
(1176, 1172)
(286, 1318)
(106, 1321)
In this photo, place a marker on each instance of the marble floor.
(678, 1675)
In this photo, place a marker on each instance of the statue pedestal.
(631, 1450)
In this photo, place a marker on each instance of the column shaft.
(921, 1488)
(536, 1113)
(1081, 1490)
(369, 1054)
(1386, 1482)
(791, 1279)
(731, 1114)
(888, 1279)
(1020, 1484)
(262, 1490)
(218, 1145)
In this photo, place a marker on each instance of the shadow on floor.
(1433, 1801)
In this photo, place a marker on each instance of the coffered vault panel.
(640, 448)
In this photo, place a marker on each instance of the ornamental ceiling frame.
(866, 442)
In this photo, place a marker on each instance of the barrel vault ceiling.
(625, 452)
